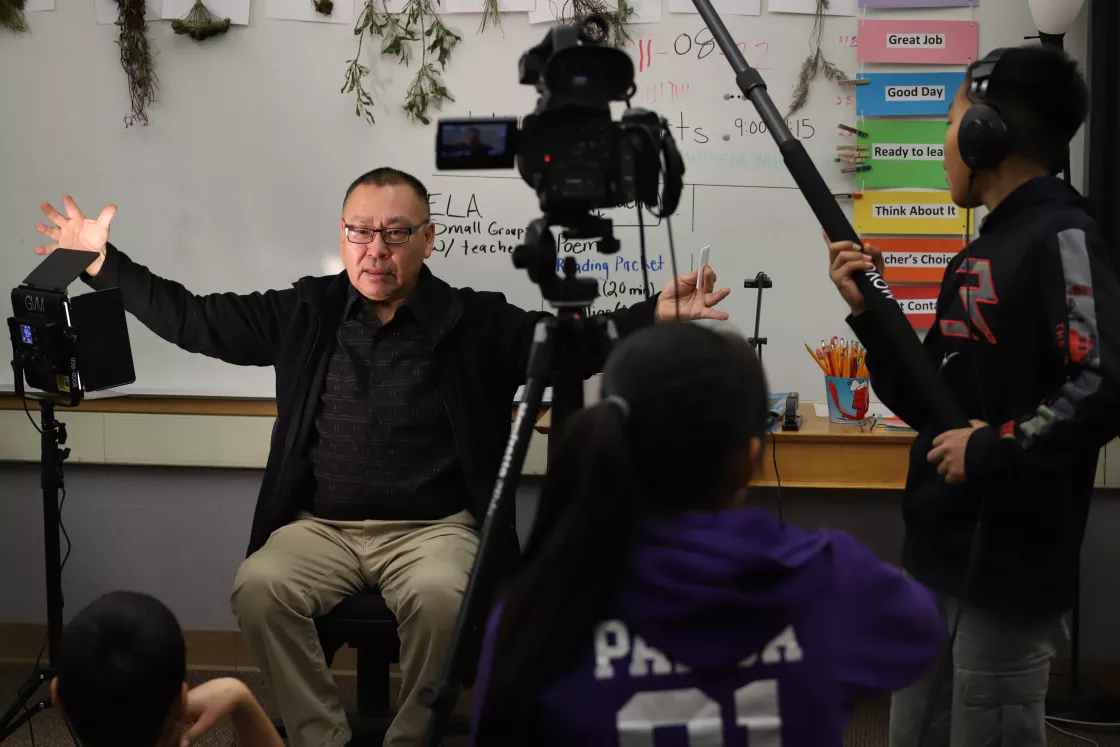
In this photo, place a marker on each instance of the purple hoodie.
(733, 628)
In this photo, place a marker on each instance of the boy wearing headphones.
(1027, 337)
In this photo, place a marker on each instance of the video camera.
(578, 160)
(571, 152)
(66, 347)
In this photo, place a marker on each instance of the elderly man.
(393, 399)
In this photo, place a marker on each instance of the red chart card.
(919, 42)
(918, 303)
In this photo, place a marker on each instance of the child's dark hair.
(123, 651)
(1043, 97)
(681, 405)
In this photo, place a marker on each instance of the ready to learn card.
(904, 153)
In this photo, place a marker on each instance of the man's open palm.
(692, 302)
(75, 231)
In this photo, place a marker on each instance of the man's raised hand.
(75, 231)
(693, 302)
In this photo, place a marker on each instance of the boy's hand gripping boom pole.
(894, 330)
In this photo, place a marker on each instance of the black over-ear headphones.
(983, 137)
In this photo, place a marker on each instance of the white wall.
(236, 184)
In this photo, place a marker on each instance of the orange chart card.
(916, 260)
(918, 303)
(908, 213)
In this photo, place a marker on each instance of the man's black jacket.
(481, 361)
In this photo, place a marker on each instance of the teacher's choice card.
(916, 259)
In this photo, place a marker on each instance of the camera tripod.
(560, 346)
(25, 707)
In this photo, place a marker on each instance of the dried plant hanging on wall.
(815, 63)
(418, 22)
(200, 23)
(491, 13)
(617, 18)
(136, 59)
(323, 7)
(12, 16)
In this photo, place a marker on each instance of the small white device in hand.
(705, 252)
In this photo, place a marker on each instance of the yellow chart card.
(906, 213)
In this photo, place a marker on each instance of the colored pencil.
(819, 362)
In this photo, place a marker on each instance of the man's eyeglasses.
(359, 235)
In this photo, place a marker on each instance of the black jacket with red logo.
(1027, 337)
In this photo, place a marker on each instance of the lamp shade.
(1054, 16)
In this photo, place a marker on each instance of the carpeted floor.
(868, 727)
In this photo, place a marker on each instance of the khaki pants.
(308, 567)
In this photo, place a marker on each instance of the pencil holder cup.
(848, 398)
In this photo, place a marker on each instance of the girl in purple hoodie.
(658, 607)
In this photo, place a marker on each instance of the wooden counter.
(143, 405)
(829, 455)
(193, 431)
(820, 455)
(166, 432)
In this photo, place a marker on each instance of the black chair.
(363, 622)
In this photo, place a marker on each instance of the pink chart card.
(919, 42)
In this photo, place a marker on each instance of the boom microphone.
(893, 329)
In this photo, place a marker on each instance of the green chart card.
(903, 153)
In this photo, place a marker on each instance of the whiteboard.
(236, 185)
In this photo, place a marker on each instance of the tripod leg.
(758, 321)
(1075, 635)
(51, 480)
(567, 383)
(32, 710)
(580, 337)
(442, 695)
(9, 723)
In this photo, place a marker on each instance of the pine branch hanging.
(12, 16)
(419, 22)
(136, 59)
(814, 64)
(200, 23)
